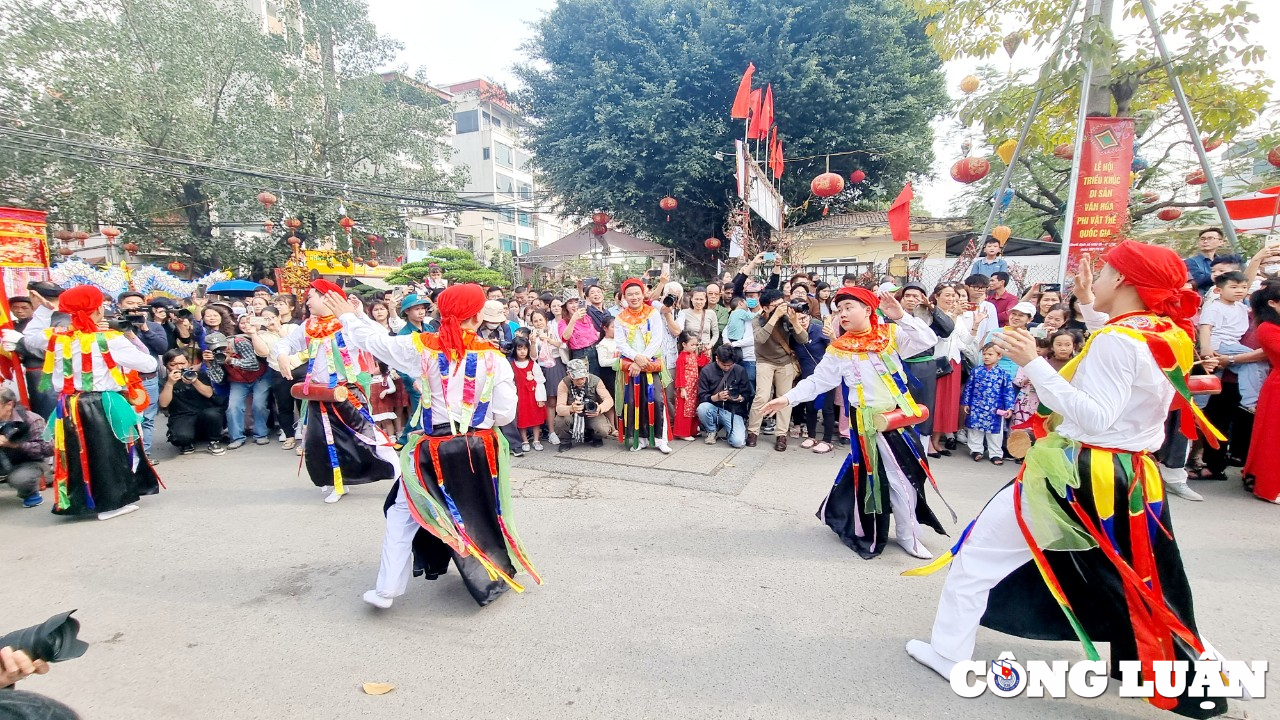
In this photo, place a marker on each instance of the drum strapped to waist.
(319, 393)
(897, 419)
(1204, 384)
(653, 367)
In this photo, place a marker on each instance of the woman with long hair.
(217, 318)
(281, 379)
(923, 366)
(1262, 469)
(246, 374)
(287, 305)
(950, 353)
(699, 320)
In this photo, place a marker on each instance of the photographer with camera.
(581, 403)
(777, 332)
(187, 398)
(137, 325)
(24, 453)
(724, 398)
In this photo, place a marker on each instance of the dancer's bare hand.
(1017, 344)
(1083, 281)
(773, 406)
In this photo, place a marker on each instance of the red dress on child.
(529, 392)
(686, 381)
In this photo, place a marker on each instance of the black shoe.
(564, 446)
(936, 455)
(596, 442)
(187, 450)
(950, 443)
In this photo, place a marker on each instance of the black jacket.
(711, 380)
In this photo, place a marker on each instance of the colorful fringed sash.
(877, 346)
(326, 339)
(638, 397)
(475, 396)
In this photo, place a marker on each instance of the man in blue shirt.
(1200, 265)
(990, 261)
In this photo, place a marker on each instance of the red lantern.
(1150, 196)
(970, 170)
(267, 199)
(1169, 214)
(668, 204)
(131, 248)
(80, 236)
(827, 184)
(268, 226)
(111, 233)
(294, 240)
(176, 266)
(1196, 177)
(64, 235)
(602, 218)
(857, 176)
(1064, 151)
(599, 230)
(1211, 144)
(346, 223)
(357, 261)
(293, 223)
(373, 239)
(1273, 157)
(65, 251)
(711, 243)
(373, 262)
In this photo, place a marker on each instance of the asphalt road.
(693, 586)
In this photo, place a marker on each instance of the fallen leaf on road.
(378, 688)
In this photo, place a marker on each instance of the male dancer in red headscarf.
(454, 501)
(342, 445)
(886, 463)
(100, 466)
(1090, 490)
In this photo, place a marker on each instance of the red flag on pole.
(754, 132)
(775, 155)
(766, 107)
(900, 215)
(742, 101)
(763, 119)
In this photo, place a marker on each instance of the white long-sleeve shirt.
(401, 353)
(961, 340)
(125, 353)
(652, 347)
(1118, 397)
(914, 336)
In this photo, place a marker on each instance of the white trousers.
(902, 494)
(994, 549)
(995, 441)
(397, 547)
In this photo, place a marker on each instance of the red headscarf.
(79, 302)
(862, 295)
(1160, 277)
(323, 286)
(457, 303)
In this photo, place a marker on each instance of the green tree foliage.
(1215, 58)
(458, 266)
(629, 101)
(160, 95)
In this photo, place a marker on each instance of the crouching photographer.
(24, 453)
(581, 402)
(195, 413)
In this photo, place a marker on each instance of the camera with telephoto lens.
(800, 306)
(15, 431)
(669, 300)
(590, 407)
(189, 375)
(53, 640)
(216, 343)
(136, 318)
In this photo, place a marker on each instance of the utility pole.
(1097, 24)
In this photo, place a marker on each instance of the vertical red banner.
(1101, 210)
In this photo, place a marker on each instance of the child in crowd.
(531, 394)
(546, 344)
(688, 363)
(1019, 317)
(987, 400)
(1223, 322)
(737, 332)
(1058, 349)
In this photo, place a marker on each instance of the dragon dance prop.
(116, 279)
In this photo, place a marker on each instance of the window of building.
(522, 159)
(525, 247)
(524, 190)
(525, 220)
(485, 152)
(508, 215)
(465, 122)
(507, 243)
(504, 184)
(489, 224)
(503, 155)
(462, 240)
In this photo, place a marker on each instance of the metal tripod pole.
(1214, 190)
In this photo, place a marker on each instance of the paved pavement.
(698, 585)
